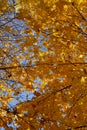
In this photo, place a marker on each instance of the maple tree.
(43, 64)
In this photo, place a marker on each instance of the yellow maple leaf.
(28, 129)
(83, 79)
(79, 1)
(81, 56)
(76, 1)
(18, 6)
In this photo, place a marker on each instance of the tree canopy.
(43, 64)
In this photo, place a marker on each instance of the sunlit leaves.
(43, 70)
(77, 1)
(83, 80)
(3, 6)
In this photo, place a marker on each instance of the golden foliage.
(43, 64)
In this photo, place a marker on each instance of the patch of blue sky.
(37, 84)
(33, 64)
(10, 82)
(3, 93)
(30, 95)
(7, 60)
(3, 22)
(25, 62)
(12, 104)
(38, 88)
(10, 1)
(25, 112)
(38, 80)
(18, 85)
(13, 85)
(41, 44)
(27, 51)
(47, 32)
(12, 94)
(82, 26)
(61, 79)
(2, 74)
(17, 45)
(40, 41)
(12, 125)
(1, 45)
(47, 38)
(20, 27)
(2, 128)
(7, 34)
(22, 34)
(21, 24)
(33, 61)
(18, 22)
(31, 47)
(18, 53)
(43, 48)
(22, 97)
(41, 36)
(16, 37)
(31, 53)
(34, 33)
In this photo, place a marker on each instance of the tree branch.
(50, 64)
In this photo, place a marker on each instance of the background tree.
(43, 64)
